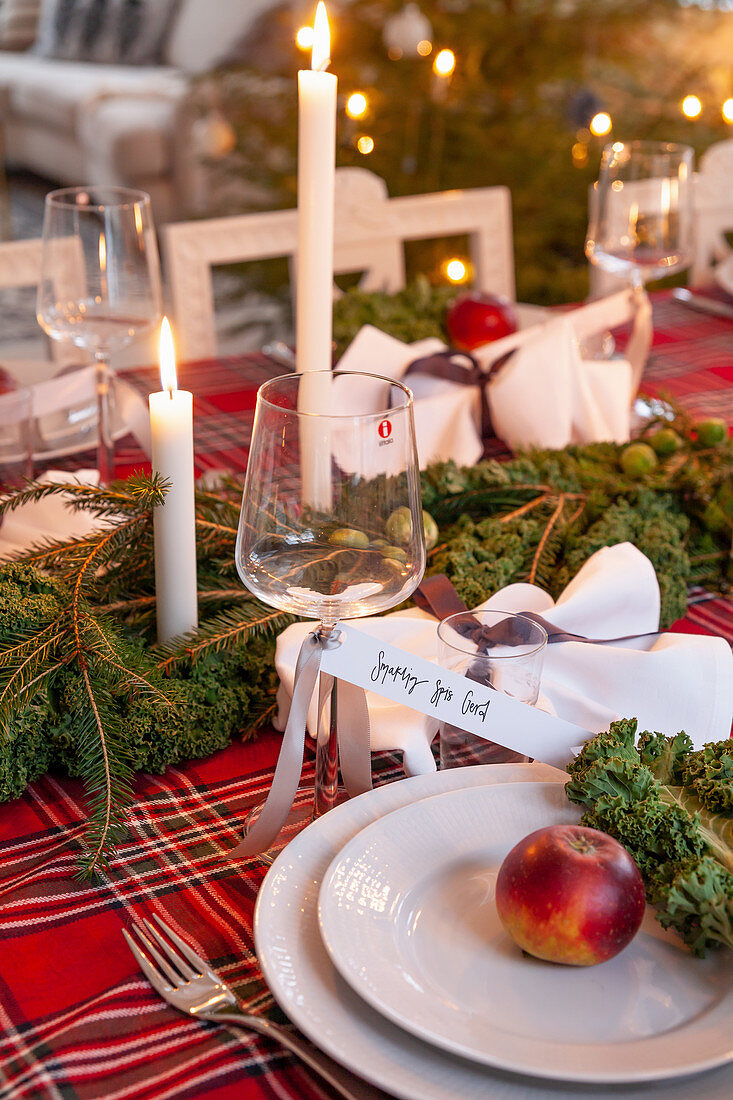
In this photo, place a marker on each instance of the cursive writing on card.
(449, 697)
(398, 674)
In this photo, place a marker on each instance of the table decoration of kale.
(85, 689)
(671, 808)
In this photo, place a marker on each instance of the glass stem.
(327, 753)
(105, 444)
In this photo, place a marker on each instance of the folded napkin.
(48, 519)
(668, 681)
(77, 391)
(544, 395)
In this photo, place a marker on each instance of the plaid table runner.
(77, 1019)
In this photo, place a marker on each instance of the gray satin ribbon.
(354, 747)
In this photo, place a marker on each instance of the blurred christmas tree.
(516, 108)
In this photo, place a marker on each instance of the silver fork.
(185, 981)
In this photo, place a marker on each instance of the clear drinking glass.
(16, 457)
(100, 285)
(496, 649)
(641, 223)
(331, 522)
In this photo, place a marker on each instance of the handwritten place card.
(403, 677)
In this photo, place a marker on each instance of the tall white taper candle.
(314, 294)
(174, 522)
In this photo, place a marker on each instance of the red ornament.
(476, 319)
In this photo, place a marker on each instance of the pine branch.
(543, 543)
(224, 630)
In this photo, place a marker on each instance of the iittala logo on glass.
(385, 433)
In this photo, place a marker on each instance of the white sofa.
(81, 122)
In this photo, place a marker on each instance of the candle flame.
(321, 55)
(167, 358)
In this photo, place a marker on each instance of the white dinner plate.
(723, 274)
(312, 993)
(408, 917)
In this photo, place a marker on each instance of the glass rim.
(133, 196)
(295, 376)
(536, 648)
(648, 145)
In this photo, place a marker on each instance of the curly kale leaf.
(612, 782)
(652, 831)
(710, 774)
(617, 741)
(664, 756)
(696, 899)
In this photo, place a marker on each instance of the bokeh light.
(455, 270)
(365, 145)
(445, 63)
(727, 110)
(579, 154)
(601, 124)
(691, 106)
(304, 38)
(356, 105)
(424, 48)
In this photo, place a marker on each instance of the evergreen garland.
(84, 687)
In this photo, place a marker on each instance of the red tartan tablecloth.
(76, 1017)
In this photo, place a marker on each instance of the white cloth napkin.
(77, 389)
(546, 395)
(50, 518)
(669, 682)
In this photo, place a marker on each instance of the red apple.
(476, 319)
(570, 895)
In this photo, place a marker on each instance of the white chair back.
(370, 231)
(20, 266)
(713, 200)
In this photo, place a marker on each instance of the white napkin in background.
(78, 388)
(669, 682)
(547, 395)
(50, 518)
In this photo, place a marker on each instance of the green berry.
(349, 536)
(665, 442)
(398, 527)
(395, 553)
(430, 528)
(638, 459)
(711, 432)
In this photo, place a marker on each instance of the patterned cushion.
(128, 32)
(18, 23)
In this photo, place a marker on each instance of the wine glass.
(641, 222)
(331, 521)
(641, 217)
(100, 285)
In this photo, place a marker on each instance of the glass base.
(300, 816)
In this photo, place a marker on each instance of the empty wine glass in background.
(641, 224)
(100, 285)
(331, 524)
(641, 215)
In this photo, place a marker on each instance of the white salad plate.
(408, 917)
(723, 274)
(310, 990)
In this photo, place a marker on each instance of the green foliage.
(683, 850)
(84, 688)
(709, 773)
(414, 313)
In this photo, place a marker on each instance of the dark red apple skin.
(476, 319)
(570, 895)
